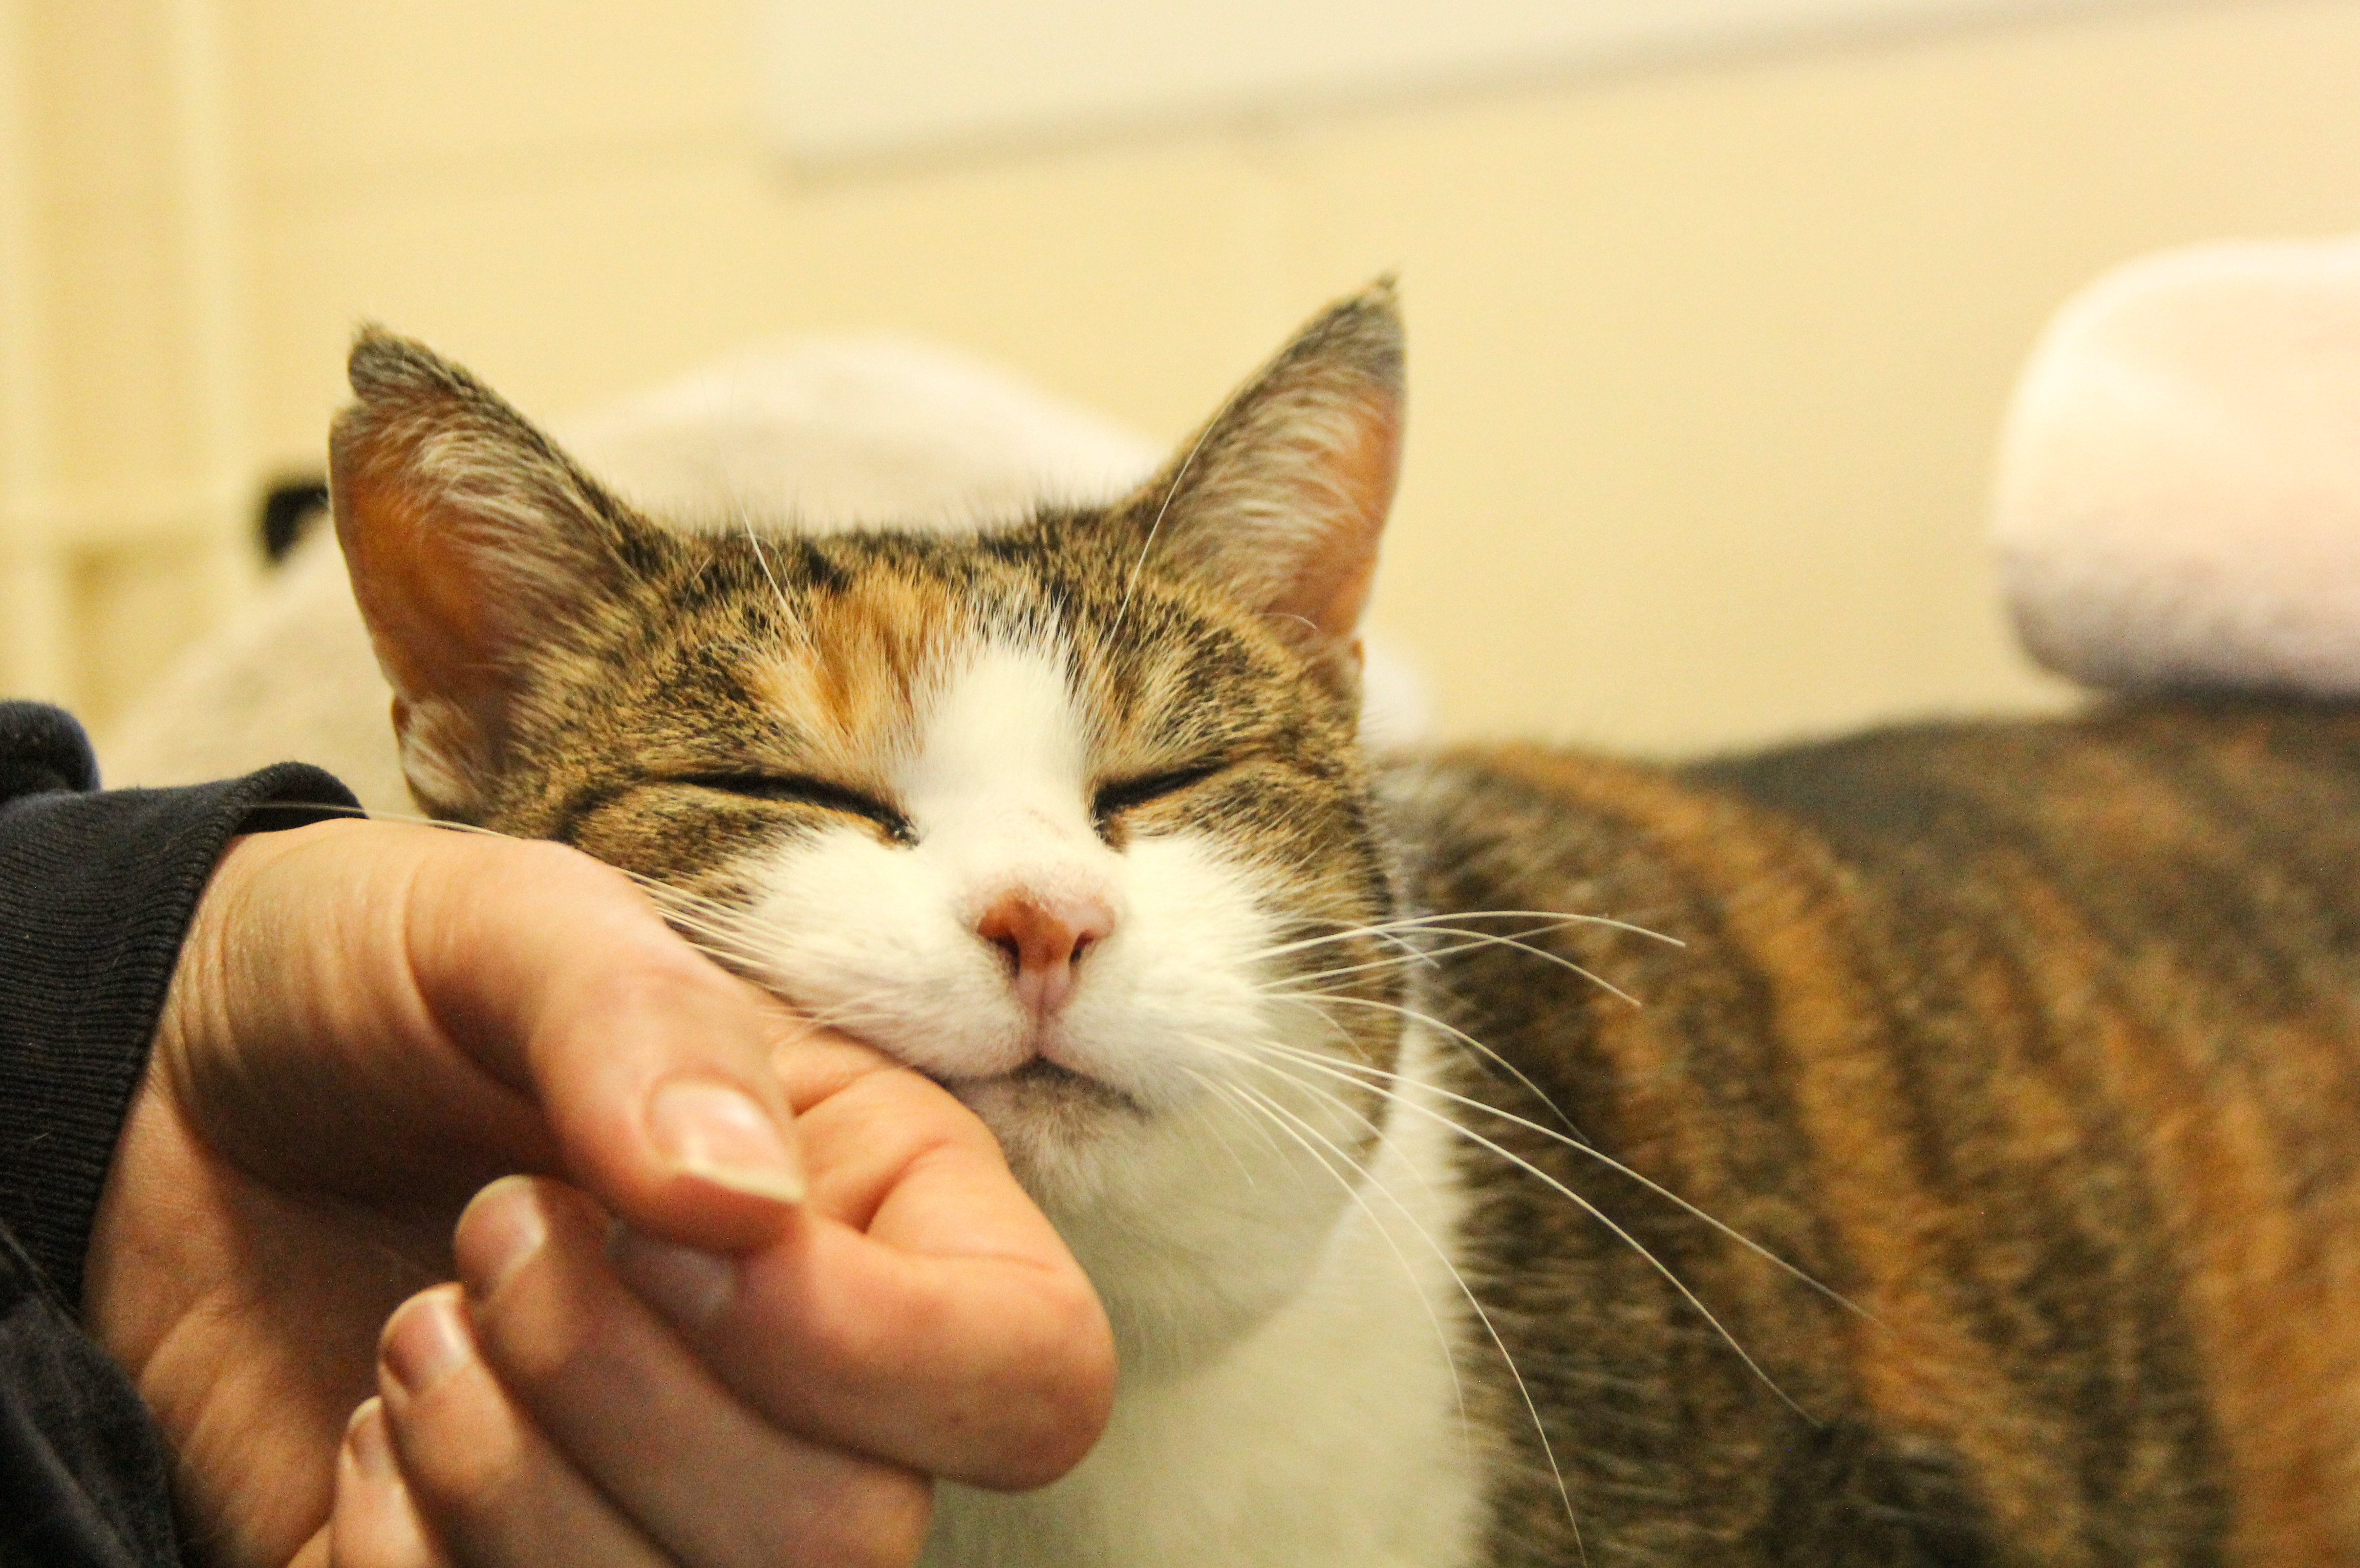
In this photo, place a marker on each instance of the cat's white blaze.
(998, 786)
(1328, 1436)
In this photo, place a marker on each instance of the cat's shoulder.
(2262, 772)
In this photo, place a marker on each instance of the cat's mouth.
(1040, 1087)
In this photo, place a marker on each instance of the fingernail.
(365, 1435)
(714, 1131)
(425, 1342)
(688, 1287)
(499, 1234)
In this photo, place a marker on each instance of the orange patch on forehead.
(851, 680)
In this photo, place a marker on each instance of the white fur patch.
(1332, 1435)
(1000, 789)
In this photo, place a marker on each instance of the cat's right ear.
(1280, 500)
(475, 547)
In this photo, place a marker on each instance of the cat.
(1934, 1147)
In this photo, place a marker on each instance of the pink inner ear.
(1336, 568)
(439, 629)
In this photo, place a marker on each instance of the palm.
(262, 1340)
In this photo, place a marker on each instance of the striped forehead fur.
(870, 627)
(854, 665)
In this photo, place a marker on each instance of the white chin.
(1055, 1125)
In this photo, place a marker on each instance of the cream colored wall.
(1706, 361)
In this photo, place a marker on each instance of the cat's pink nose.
(1043, 937)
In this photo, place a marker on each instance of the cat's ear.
(1280, 499)
(474, 548)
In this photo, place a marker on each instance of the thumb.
(650, 1063)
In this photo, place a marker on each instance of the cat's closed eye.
(798, 790)
(1119, 796)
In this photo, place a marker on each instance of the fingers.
(584, 1370)
(487, 1483)
(376, 1523)
(968, 1345)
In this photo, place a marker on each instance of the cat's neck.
(1333, 1434)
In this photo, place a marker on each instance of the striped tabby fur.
(2035, 1042)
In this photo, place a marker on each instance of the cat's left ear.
(479, 555)
(1281, 499)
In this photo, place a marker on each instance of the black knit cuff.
(96, 892)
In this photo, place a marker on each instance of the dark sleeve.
(96, 891)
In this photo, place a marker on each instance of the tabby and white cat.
(1976, 1185)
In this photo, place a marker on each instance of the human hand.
(371, 1022)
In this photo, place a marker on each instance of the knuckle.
(652, 977)
(465, 1450)
(527, 1295)
(463, 1468)
(541, 1354)
(547, 857)
(1061, 1393)
(542, 1338)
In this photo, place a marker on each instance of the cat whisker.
(762, 560)
(1379, 1075)
(1469, 941)
(363, 813)
(849, 1012)
(663, 893)
(1313, 1061)
(1202, 1111)
(1172, 491)
(1477, 939)
(712, 929)
(1249, 1098)
(1313, 998)
(1382, 1093)
(1553, 918)
(727, 935)
(1266, 1117)
(1407, 955)
(1244, 1095)
(715, 929)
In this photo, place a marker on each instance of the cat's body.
(2030, 1050)
(2039, 1043)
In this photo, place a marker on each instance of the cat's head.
(1067, 814)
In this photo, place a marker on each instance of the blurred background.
(1712, 323)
